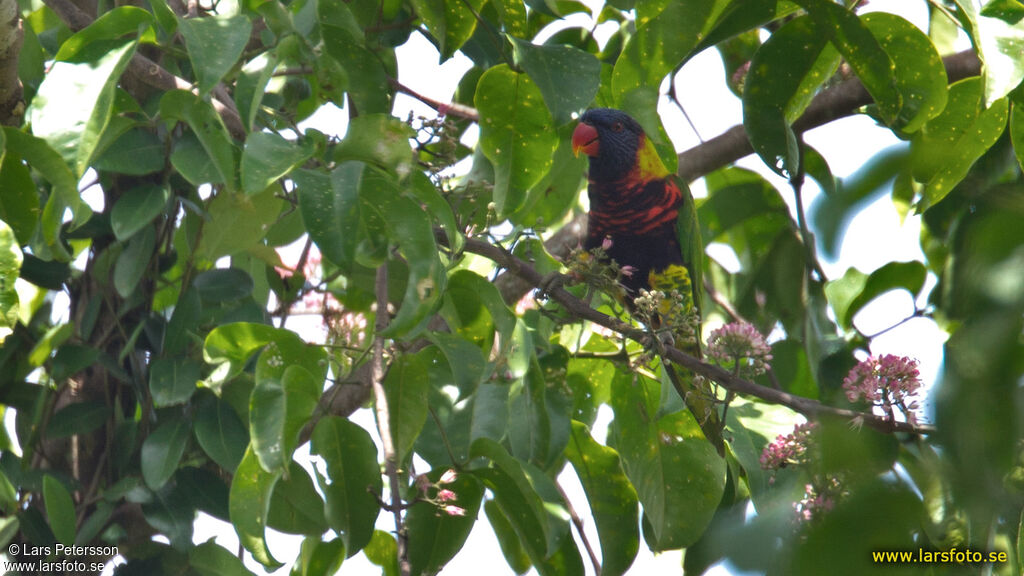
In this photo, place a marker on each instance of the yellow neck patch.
(648, 163)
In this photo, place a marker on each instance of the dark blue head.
(611, 138)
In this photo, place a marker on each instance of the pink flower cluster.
(740, 346)
(818, 499)
(885, 381)
(787, 449)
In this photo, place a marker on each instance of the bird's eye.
(617, 127)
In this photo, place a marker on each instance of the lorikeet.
(649, 217)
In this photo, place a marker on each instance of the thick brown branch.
(806, 406)
(12, 105)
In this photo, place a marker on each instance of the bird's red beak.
(585, 139)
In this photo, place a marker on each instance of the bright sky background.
(876, 236)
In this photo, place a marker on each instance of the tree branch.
(380, 401)
(806, 406)
(12, 105)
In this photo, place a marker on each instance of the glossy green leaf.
(103, 34)
(383, 551)
(508, 541)
(162, 450)
(74, 103)
(318, 557)
(567, 77)
(666, 33)
(344, 40)
(467, 297)
(920, 75)
(134, 261)
(136, 152)
(785, 73)
(208, 128)
(238, 222)
(515, 134)
(451, 23)
(406, 387)
(249, 504)
(203, 490)
(353, 481)
(267, 157)
(1000, 40)
(613, 500)
(295, 507)
(222, 285)
(465, 359)
(538, 424)
(77, 418)
(379, 140)
(678, 475)
(10, 267)
(60, 510)
(949, 144)
(232, 345)
(438, 533)
(19, 206)
(1016, 128)
(407, 227)
(861, 50)
(209, 559)
(172, 381)
(220, 432)
(214, 45)
(136, 209)
(424, 190)
(483, 414)
(279, 408)
(854, 290)
(164, 511)
(251, 84)
(330, 210)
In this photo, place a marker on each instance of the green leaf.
(467, 296)
(318, 557)
(60, 510)
(483, 414)
(162, 450)
(136, 208)
(854, 290)
(344, 40)
(355, 480)
(267, 157)
(295, 507)
(137, 152)
(412, 232)
(19, 206)
(133, 261)
(515, 134)
(223, 285)
(920, 76)
(678, 475)
(785, 73)
(209, 559)
(204, 490)
(945, 149)
(999, 42)
(74, 102)
(428, 194)
(465, 359)
(214, 45)
(249, 504)
(666, 33)
(567, 77)
(379, 140)
(754, 425)
(77, 418)
(208, 128)
(383, 551)
(406, 387)
(10, 267)
(237, 222)
(164, 512)
(172, 380)
(232, 345)
(511, 547)
(451, 23)
(279, 408)
(613, 500)
(516, 498)
(103, 34)
(251, 85)
(330, 210)
(530, 433)
(1016, 128)
(861, 50)
(437, 535)
(220, 432)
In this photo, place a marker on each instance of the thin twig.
(806, 406)
(449, 108)
(577, 522)
(384, 419)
